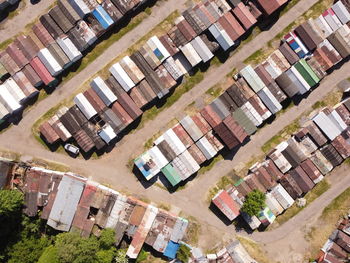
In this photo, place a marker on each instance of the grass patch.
(98, 50)
(214, 91)
(161, 186)
(50, 165)
(254, 250)
(281, 136)
(191, 81)
(224, 182)
(331, 99)
(316, 192)
(164, 206)
(337, 209)
(261, 54)
(10, 155)
(210, 165)
(193, 231)
(102, 46)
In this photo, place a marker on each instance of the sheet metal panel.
(191, 54)
(61, 20)
(50, 62)
(59, 55)
(341, 12)
(68, 11)
(15, 90)
(65, 204)
(122, 77)
(24, 83)
(282, 196)
(84, 105)
(104, 92)
(326, 125)
(202, 49)
(191, 128)
(69, 48)
(252, 78)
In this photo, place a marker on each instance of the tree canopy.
(254, 203)
(29, 240)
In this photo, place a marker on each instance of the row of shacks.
(110, 105)
(337, 247)
(293, 167)
(69, 202)
(57, 41)
(231, 253)
(7, 3)
(257, 94)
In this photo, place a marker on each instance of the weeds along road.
(112, 169)
(11, 27)
(192, 199)
(132, 144)
(291, 237)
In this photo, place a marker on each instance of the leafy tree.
(27, 250)
(183, 254)
(11, 202)
(254, 202)
(121, 256)
(49, 255)
(71, 248)
(106, 256)
(143, 255)
(107, 238)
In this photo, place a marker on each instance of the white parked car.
(71, 148)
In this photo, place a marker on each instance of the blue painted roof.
(102, 16)
(171, 250)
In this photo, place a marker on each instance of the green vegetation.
(102, 46)
(211, 164)
(184, 253)
(281, 136)
(193, 231)
(254, 202)
(190, 82)
(224, 182)
(316, 192)
(30, 240)
(214, 91)
(99, 49)
(327, 222)
(330, 100)
(164, 206)
(261, 54)
(142, 256)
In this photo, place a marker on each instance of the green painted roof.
(303, 72)
(171, 174)
(310, 71)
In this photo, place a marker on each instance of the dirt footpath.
(11, 27)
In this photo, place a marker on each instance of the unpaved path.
(11, 27)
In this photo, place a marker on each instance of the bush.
(183, 254)
(254, 202)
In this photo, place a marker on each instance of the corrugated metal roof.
(65, 204)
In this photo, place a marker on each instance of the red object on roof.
(41, 70)
(227, 205)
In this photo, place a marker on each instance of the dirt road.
(290, 238)
(11, 27)
(112, 168)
